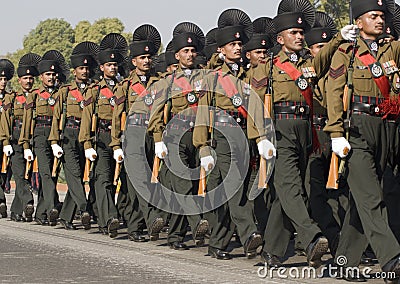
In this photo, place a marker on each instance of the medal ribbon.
(230, 90)
(45, 95)
(295, 74)
(186, 89)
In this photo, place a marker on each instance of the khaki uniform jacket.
(36, 102)
(104, 111)
(222, 102)
(286, 89)
(363, 82)
(166, 89)
(73, 108)
(126, 97)
(12, 110)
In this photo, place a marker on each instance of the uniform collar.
(135, 79)
(227, 70)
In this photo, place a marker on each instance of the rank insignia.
(376, 69)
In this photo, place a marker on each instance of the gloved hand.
(119, 155)
(340, 146)
(349, 32)
(207, 163)
(91, 154)
(160, 150)
(8, 150)
(28, 155)
(266, 149)
(57, 150)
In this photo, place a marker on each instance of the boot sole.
(320, 249)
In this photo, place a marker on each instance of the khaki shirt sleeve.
(323, 59)
(27, 121)
(86, 122)
(5, 120)
(335, 89)
(60, 97)
(119, 108)
(156, 124)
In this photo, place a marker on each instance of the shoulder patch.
(28, 106)
(7, 106)
(257, 84)
(88, 101)
(119, 100)
(336, 73)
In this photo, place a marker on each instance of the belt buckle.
(300, 110)
(374, 109)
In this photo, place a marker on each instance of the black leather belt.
(230, 117)
(182, 121)
(73, 122)
(320, 121)
(297, 109)
(371, 109)
(43, 120)
(138, 119)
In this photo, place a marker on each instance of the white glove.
(160, 149)
(91, 154)
(349, 32)
(57, 150)
(28, 155)
(339, 145)
(118, 155)
(266, 149)
(8, 150)
(207, 163)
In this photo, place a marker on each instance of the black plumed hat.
(6, 68)
(170, 55)
(28, 65)
(188, 34)
(211, 46)
(113, 48)
(263, 31)
(146, 40)
(85, 54)
(294, 14)
(233, 25)
(323, 31)
(53, 61)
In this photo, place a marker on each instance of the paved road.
(31, 253)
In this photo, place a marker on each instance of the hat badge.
(380, 2)
(28, 71)
(237, 35)
(52, 67)
(85, 61)
(189, 40)
(388, 30)
(324, 35)
(263, 42)
(112, 55)
(299, 20)
(2, 73)
(146, 48)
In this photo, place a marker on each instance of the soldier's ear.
(248, 55)
(177, 57)
(101, 68)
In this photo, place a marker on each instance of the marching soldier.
(11, 123)
(292, 105)
(95, 131)
(371, 105)
(64, 133)
(36, 125)
(183, 83)
(146, 42)
(230, 97)
(6, 73)
(318, 165)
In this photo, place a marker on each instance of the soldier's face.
(172, 67)
(292, 39)
(81, 73)
(255, 56)
(26, 82)
(109, 69)
(232, 51)
(142, 63)
(48, 79)
(371, 24)
(3, 83)
(315, 48)
(186, 56)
